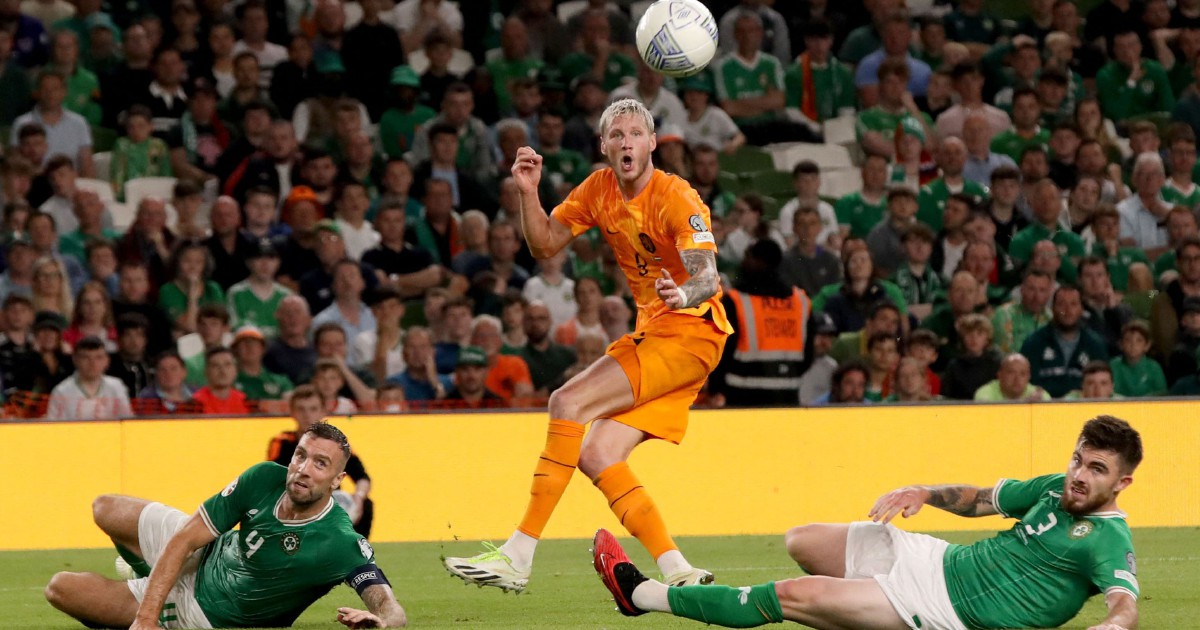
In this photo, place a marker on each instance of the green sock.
(745, 607)
(135, 561)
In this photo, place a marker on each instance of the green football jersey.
(1173, 195)
(931, 202)
(736, 79)
(246, 309)
(1013, 145)
(269, 570)
(879, 119)
(859, 214)
(1039, 573)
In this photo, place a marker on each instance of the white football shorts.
(908, 567)
(156, 525)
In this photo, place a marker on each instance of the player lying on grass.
(295, 543)
(1070, 542)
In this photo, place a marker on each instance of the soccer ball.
(677, 37)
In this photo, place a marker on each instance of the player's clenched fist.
(527, 170)
(906, 501)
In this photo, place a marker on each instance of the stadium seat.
(461, 61)
(839, 182)
(730, 182)
(141, 187)
(122, 215)
(746, 159)
(638, 9)
(103, 139)
(571, 8)
(773, 183)
(100, 186)
(103, 163)
(839, 130)
(771, 207)
(786, 155)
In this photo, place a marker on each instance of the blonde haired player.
(641, 389)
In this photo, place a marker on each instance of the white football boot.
(490, 568)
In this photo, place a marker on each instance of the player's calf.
(819, 549)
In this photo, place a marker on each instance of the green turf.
(566, 594)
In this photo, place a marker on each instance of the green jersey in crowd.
(1013, 145)
(832, 85)
(265, 385)
(1122, 98)
(861, 215)
(931, 202)
(1176, 196)
(1143, 378)
(268, 571)
(1039, 573)
(247, 309)
(737, 79)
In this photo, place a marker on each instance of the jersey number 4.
(253, 542)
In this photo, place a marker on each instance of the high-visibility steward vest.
(769, 357)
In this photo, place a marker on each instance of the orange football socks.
(552, 474)
(634, 507)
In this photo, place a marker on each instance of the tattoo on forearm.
(961, 500)
(701, 265)
(377, 598)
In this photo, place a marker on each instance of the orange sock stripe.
(632, 505)
(552, 474)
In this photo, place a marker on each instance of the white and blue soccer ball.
(677, 38)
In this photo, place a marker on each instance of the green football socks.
(135, 561)
(745, 607)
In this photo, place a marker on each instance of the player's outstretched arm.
(193, 535)
(544, 235)
(961, 500)
(383, 611)
(1122, 612)
(701, 265)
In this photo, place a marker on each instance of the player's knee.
(102, 506)
(565, 404)
(58, 589)
(798, 541)
(802, 593)
(593, 459)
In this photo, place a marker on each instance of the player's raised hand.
(355, 618)
(904, 501)
(527, 170)
(668, 291)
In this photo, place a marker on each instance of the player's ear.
(337, 480)
(653, 141)
(1124, 482)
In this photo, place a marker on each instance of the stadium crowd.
(330, 201)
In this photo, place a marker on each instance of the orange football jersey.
(646, 234)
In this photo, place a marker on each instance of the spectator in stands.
(274, 164)
(67, 133)
(884, 240)
(807, 264)
(259, 209)
(167, 393)
(17, 350)
(92, 317)
(379, 350)
(1014, 321)
(1181, 361)
(290, 353)
(819, 86)
(89, 394)
(951, 241)
(370, 50)
(473, 231)
(256, 382)
(466, 190)
(149, 241)
(883, 317)
(82, 85)
(596, 50)
(438, 231)
(968, 84)
(916, 277)
(1130, 85)
(1011, 383)
(191, 289)
(512, 316)
(1025, 132)
(253, 24)
(17, 173)
(910, 383)
(589, 347)
(14, 82)
(329, 382)
(749, 85)
(51, 290)
(977, 360)
(503, 246)
(1187, 107)
(317, 285)
(962, 298)
(775, 40)
(219, 397)
(1134, 373)
(471, 377)
(187, 199)
(806, 182)
(1104, 311)
(513, 63)
(566, 168)
(1143, 213)
(351, 203)
(981, 160)
(1064, 146)
(1181, 223)
(474, 148)
(951, 158)
(507, 375)
(44, 236)
(212, 329)
(1059, 351)
(706, 124)
(54, 364)
(876, 126)
(751, 226)
(199, 141)
(228, 247)
(1047, 209)
(133, 297)
(551, 287)
(587, 302)
(128, 363)
(547, 360)
(123, 85)
(347, 308)
(61, 176)
(455, 332)
(398, 125)
(137, 153)
(615, 317)
(849, 385)
(17, 278)
(582, 130)
(330, 342)
(815, 381)
(420, 379)
(1082, 205)
(705, 167)
(664, 106)
(101, 259)
(896, 38)
(89, 212)
(863, 209)
(1097, 383)
(410, 270)
(165, 96)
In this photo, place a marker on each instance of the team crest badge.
(697, 223)
(230, 488)
(290, 543)
(1080, 530)
(1132, 562)
(647, 244)
(365, 548)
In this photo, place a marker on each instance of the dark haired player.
(1070, 542)
(294, 544)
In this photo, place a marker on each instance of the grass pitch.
(565, 592)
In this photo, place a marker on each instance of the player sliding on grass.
(641, 389)
(1069, 543)
(295, 543)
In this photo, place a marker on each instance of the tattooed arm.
(968, 501)
(383, 611)
(701, 265)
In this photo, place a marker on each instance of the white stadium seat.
(141, 187)
(103, 163)
(99, 186)
(827, 156)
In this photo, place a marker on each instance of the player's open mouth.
(627, 163)
(1081, 492)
